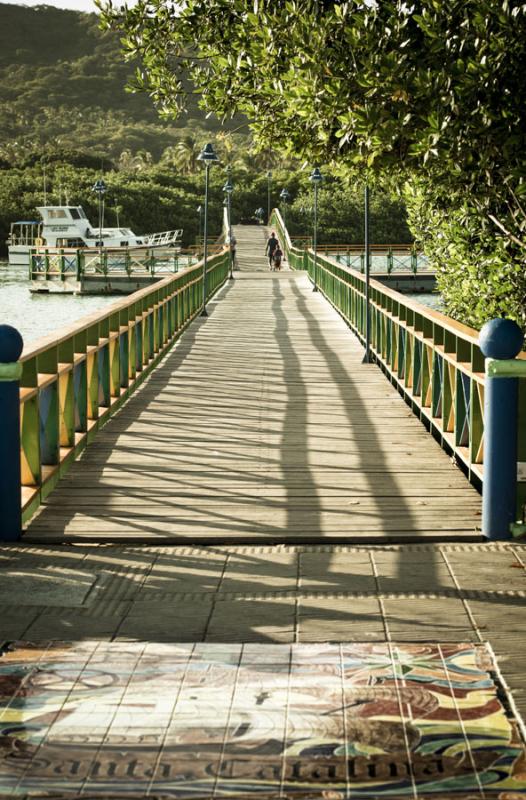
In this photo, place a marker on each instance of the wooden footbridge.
(258, 422)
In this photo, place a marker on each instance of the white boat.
(68, 227)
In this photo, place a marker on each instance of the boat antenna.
(45, 183)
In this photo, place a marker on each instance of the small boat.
(68, 227)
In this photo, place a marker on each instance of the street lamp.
(315, 178)
(209, 156)
(285, 197)
(269, 178)
(200, 212)
(100, 187)
(228, 189)
(367, 355)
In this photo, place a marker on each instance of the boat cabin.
(25, 232)
(68, 226)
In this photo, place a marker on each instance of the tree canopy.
(65, 115)
(426, 94)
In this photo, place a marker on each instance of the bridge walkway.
(263, 426)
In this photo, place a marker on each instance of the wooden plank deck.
(262, 425)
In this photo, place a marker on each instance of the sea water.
(431, 299)
(37, 315)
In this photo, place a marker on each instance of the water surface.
(431, 300)
(36, 315)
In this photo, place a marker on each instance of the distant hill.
(63, 79)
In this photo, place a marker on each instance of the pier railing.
(385, 258)
(73, 380)
(75, 264)
(436, 363)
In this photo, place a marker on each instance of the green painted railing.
(435, 362)
(74, 379)
(384, 258)
(75, 264)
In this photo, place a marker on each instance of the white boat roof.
(79, 209)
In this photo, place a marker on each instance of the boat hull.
(19, 255)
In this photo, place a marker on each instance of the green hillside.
(62, 81)
(65, 113)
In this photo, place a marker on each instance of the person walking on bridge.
(233, 244)
(276, 257)
(272, 243)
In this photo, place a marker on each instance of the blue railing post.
(11, 346)
(500, 341)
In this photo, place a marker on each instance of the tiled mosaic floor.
(256, 721)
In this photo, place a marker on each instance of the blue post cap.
(11, 344)
(501, 339)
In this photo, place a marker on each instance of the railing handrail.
(281, 225)
(69, 382)
(470, 334)
(458, 328)
(62, 334)
(226, 225)
(73, 252)
(149, 237)
(360, 247)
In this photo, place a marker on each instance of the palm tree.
(134, 162)
(186, 153)
(169, 156)
(226, 147)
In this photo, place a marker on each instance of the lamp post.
(100, 187)
(284, 197)
(269, 178)
(315, 178)
(228, 189)
(367, 354)
(209, 156)
(200, 212)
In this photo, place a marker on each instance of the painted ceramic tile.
(331, 722)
